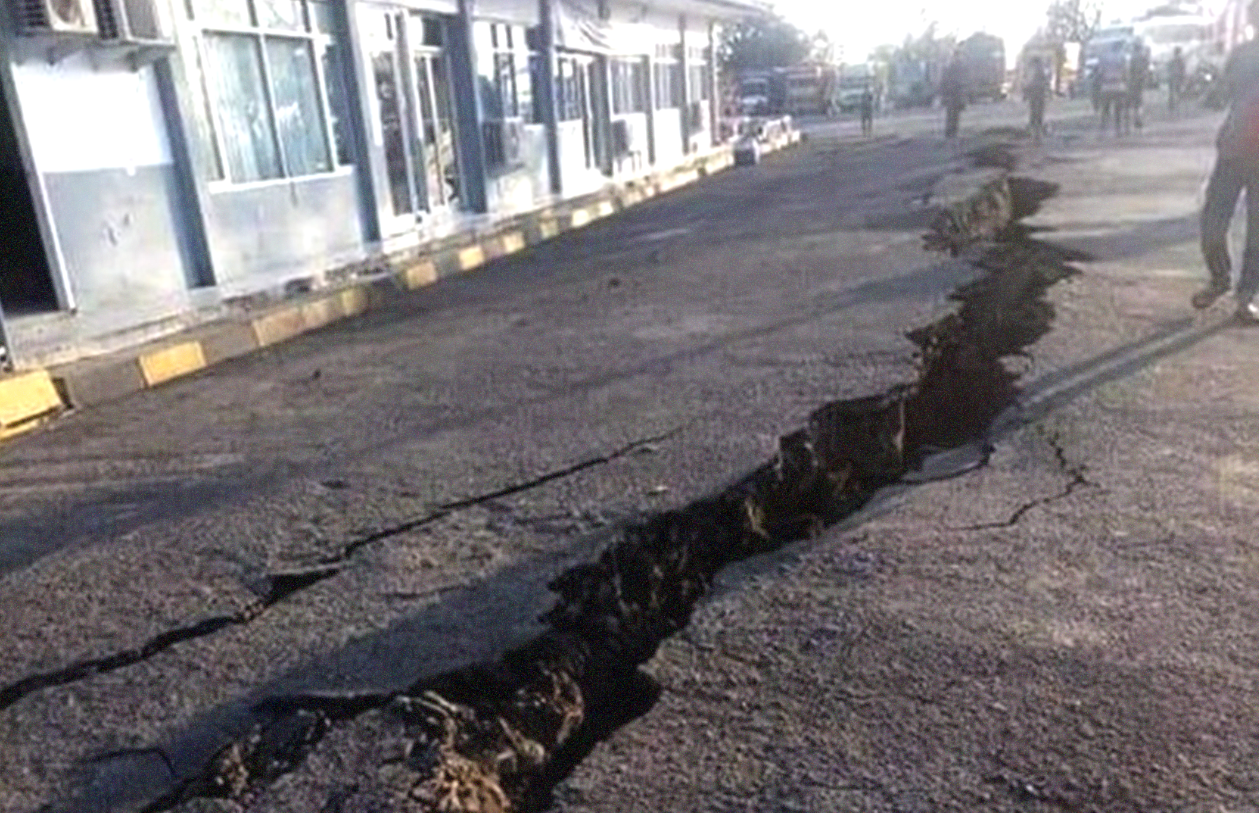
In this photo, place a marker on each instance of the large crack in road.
(499, 735)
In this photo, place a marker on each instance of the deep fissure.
(499, 735)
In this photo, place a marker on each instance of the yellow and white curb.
(28, 399)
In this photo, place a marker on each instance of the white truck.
(1193, 34)
(853, 81)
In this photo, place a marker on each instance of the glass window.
(262, 93)
(668, 84)
(566, 91)
(524, 91)
(234, 71)
(334, 80)
(629, 86)
(286, 14)
(320, 12)
(433, 32)
(298, 116)
(505, 84)
(204, 146)
(699, 82)
(223, 12)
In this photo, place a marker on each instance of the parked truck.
(853, 82)
(803, 90)
(912, 81)
(983, 64)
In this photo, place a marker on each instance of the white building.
(166, 158)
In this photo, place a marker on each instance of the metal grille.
(130, 20)
(68, 16)
(108, 22)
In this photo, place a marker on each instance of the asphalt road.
(703, 324)
(1068, 628)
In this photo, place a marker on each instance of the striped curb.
(29, 398)
(26, 401)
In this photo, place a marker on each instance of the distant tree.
(765, 42)
(1072, 20)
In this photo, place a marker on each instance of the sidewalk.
(33, 396)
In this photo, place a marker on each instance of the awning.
(581, 25)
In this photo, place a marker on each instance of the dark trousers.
(1229, 178)
(952, 118)
(1036, 115)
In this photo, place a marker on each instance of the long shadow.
(28, 539)
(1136, 240)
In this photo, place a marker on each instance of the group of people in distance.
(954, 94)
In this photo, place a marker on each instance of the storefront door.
(414, 116)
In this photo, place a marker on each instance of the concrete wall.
(578, 178)
(527, 186)
(668, 126)
(262, 234)
(100, 145)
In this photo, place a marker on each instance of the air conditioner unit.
(56, 17)
(622, 138)
(141, 22)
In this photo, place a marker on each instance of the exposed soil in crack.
(274, 588)
(498, 736)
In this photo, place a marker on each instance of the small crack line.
(284, 586)
(1077, 481)
(281, 588)
(446, 509)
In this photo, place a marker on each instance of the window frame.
(630, 94)
(319, 43)
(511, 45)
(667, 63)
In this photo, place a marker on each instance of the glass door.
(436, 147)
(437, 129)
(390, 113)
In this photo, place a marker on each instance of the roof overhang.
(727, 9)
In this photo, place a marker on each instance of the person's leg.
(1223, 189)
(1248, 280)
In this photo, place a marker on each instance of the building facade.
(163, 158)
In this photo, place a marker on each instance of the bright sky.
(861, 25)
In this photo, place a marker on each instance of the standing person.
(953, 94)
(1138, 77)
(1036, 92)
(1236, 169)
(1112, 69)
(1175, 79)
(867, 111)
